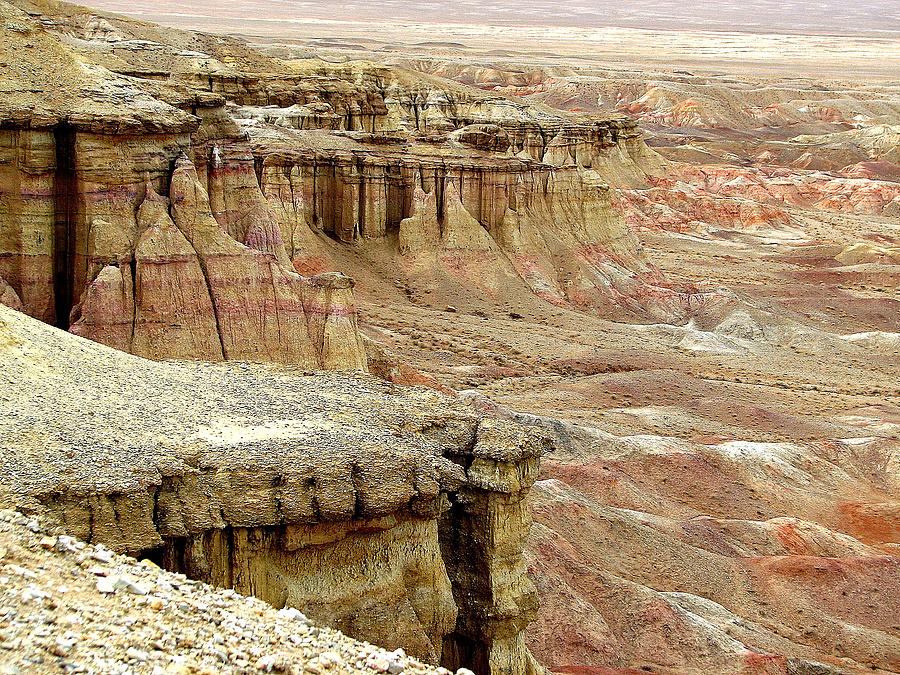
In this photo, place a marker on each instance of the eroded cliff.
(119, 220)
(395, 515)
(302, 159)
(487, 196)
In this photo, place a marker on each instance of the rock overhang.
(324, 446)
(340, 494)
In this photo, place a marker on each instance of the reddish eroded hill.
(719, 479)
(622, 545)
(690, 197)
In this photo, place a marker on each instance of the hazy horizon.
(875, 18)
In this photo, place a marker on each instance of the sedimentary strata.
(118, 220)
(394, 515)
(296, 162)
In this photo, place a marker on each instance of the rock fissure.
(65, 192)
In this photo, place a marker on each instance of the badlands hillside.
(517, 360)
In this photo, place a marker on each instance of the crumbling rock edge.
(396, 515)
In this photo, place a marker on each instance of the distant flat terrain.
(827, 38)
(872, 17)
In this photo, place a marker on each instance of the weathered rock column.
(482, 539)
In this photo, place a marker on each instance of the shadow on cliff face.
(65, 192)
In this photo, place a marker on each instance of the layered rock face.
(27, 163)
(363, 186)
(230, 300)
(325, 97)
(401, 522)
(522, 193)
(536, 214)
(746, 148)
(467, 190)
(120, 220)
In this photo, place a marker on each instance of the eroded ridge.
(306, 167)
(327, 492)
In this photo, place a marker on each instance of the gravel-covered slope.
(333, 446)
(69, 607)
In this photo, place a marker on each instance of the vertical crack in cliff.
(64, 212)
(360, 227)
(258, 169)
(481, 538)
(286, 172)
(439, 186)
(229, 557)
(315, 196)
(215, 307)
(415, 112)
(462, 555)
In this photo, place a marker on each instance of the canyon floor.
(724, 491)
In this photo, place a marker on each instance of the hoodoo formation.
(162, 174)
(507, 361)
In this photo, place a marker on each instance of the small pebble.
(137, 654)
(379, 663)
(33, 593)
(292, 614)
(102, 554)
(106, 585)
